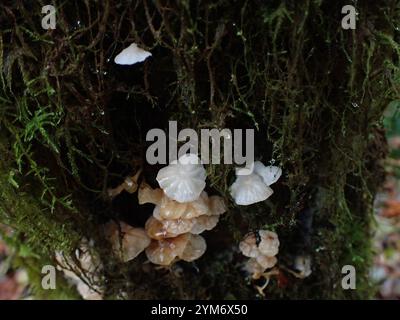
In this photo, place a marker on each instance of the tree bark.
(73, 124)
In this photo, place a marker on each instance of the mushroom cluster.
(182, 211)
(184, 179)
(261, 247)
(254, 187)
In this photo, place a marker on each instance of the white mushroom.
(269, 174)
(183, 180)
(249, 189)
(131, 55)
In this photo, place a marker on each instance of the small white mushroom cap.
(249, 189)
(131, 55)
(269, 174)
(183, 180)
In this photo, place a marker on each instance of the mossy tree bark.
(73, 124)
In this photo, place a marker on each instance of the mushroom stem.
(267, 276)
(129, 185)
